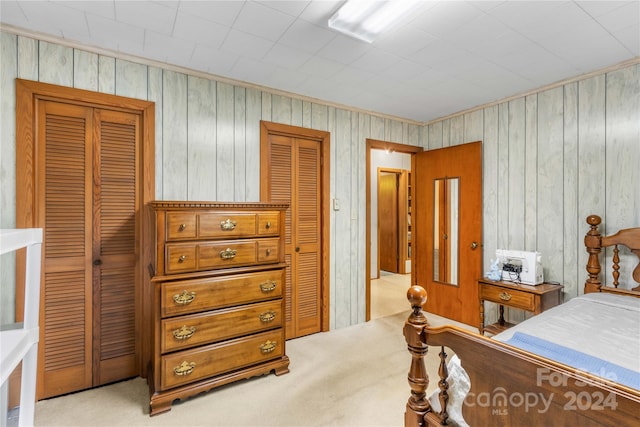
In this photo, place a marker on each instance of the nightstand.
(534, 299)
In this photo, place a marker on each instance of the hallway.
(389, 294)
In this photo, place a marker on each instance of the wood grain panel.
(55, 64)
(550, 180)
(225, 150)
(174, 130)
(106, 74)
(85, 70)
(502, 163)
(131, 78)
(239, 144)
(252, 149)
(27, 58)
(8, 70)
(202, 135)
(530, 174)
(517, 163)
(572, 232)
(474, 126)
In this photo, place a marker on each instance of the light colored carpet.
(355, 376)
(389, 294)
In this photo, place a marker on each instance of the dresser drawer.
(185, 257)
(268, 250)
(221, 225)
(226, 225)
(181, 225)
(512, 297)
(181, 257)
(196, 329)
(192, 296)
(195, 364)
(227, 254)
(269, 223)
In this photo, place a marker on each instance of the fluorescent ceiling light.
(365, 19)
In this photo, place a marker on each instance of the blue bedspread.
(576, 359)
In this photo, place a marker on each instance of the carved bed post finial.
(418, 405)
(592, 242)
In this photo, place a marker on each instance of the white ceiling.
(446, 57)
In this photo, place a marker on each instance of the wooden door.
(88, 210)
(295, 179)
(114, 255)
(388, 226)
(447, 204)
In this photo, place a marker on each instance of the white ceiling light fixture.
(366, 19)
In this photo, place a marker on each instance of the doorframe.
(374, 144)
(28, 94)
(397, 173)
(324, 139)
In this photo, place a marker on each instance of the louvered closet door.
(114, 257)
(88, 182)
(295, 179)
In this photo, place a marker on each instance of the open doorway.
(386, 287)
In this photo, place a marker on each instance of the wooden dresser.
(218, 284)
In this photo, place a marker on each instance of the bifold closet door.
(87, 163)
(295, 179)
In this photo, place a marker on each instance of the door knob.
(474, 245)
(298, 249)
(97, 262)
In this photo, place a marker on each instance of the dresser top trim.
(173, 204)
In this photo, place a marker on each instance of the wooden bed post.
(592, 241)
(418, 405)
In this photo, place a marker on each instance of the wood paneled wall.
(550, 158)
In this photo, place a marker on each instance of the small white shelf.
(20, 344)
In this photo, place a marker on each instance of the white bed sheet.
(601, 325)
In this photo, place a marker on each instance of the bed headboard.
(594, 242)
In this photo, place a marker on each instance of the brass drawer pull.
(268, 286)
(182, 227)
(228, 253)
(505, 296)
(185, 332)
(185, 368)
(268, 316)
(181, 258)
(268, 347)
(227, 225)
(184, 298)
(268, 252)
(268, 225)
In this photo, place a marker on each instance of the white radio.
(520, 266)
